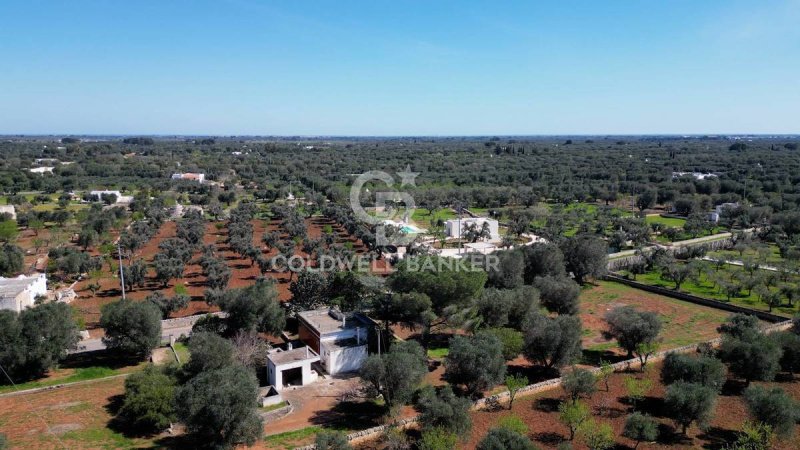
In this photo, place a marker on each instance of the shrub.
(438, 439)
(690, 402)
(505, 439)
(640, 428)
(704, 370)
(332, 440)
(148, 402)
(772, 407)
(579, 383)
(511, 340)
(444, 410)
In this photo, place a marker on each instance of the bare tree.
(250, 349)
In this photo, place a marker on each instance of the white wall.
(346, 359)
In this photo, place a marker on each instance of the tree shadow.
(669, 435)
(733, 388)
(596, 357)
(181, 441)
(718, 438)
(102, 358)
(653, 406)
(534, 374)
(549, 438)
(547, 404)
(350, 415)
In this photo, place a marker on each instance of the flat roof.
(11, 287)
(323, 322)
(280, 358)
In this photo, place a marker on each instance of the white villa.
(41, 170)
(199, 177)
(335, 341)
(19, 293)
(455, 227)
(339, 339)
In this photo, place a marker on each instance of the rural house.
(19, 293)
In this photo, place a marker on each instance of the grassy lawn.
(423, 219)
(684, 323)
(704, 286)
(62, 376)
(438, 353)
(183, 351)
(666, 221)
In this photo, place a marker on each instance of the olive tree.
(553, 342)
(395, 374)
(687, 403)
(220, 407)
(131, 328)
(477, 362)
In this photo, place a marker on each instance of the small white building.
(10, 210)
(199, 177)
(98, 195)
(455, 227)
(19, 293)
(339, 339)
(41, 170)
(292, 367)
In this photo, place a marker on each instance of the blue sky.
(400, 67)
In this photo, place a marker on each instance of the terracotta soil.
(243, 273)
(540, 413)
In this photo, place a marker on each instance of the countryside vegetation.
(655, 277)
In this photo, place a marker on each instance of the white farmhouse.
(19, 293)
(455, 227)
(41, 170)
(339, 339)
(291, 367)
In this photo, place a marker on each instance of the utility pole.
(121, 274)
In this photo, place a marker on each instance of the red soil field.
(243, 272)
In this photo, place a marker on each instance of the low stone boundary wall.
(763, 315)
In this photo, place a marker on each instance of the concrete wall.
(343, 360)
(275, 373)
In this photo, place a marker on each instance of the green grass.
(423, 219)
(104, 438)
(274, 407)
(81, 374)
(438, 353)
(684, 322)
(183, 351)
(766, 254)
(666, 221)
(703, 286)
(292, 439)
